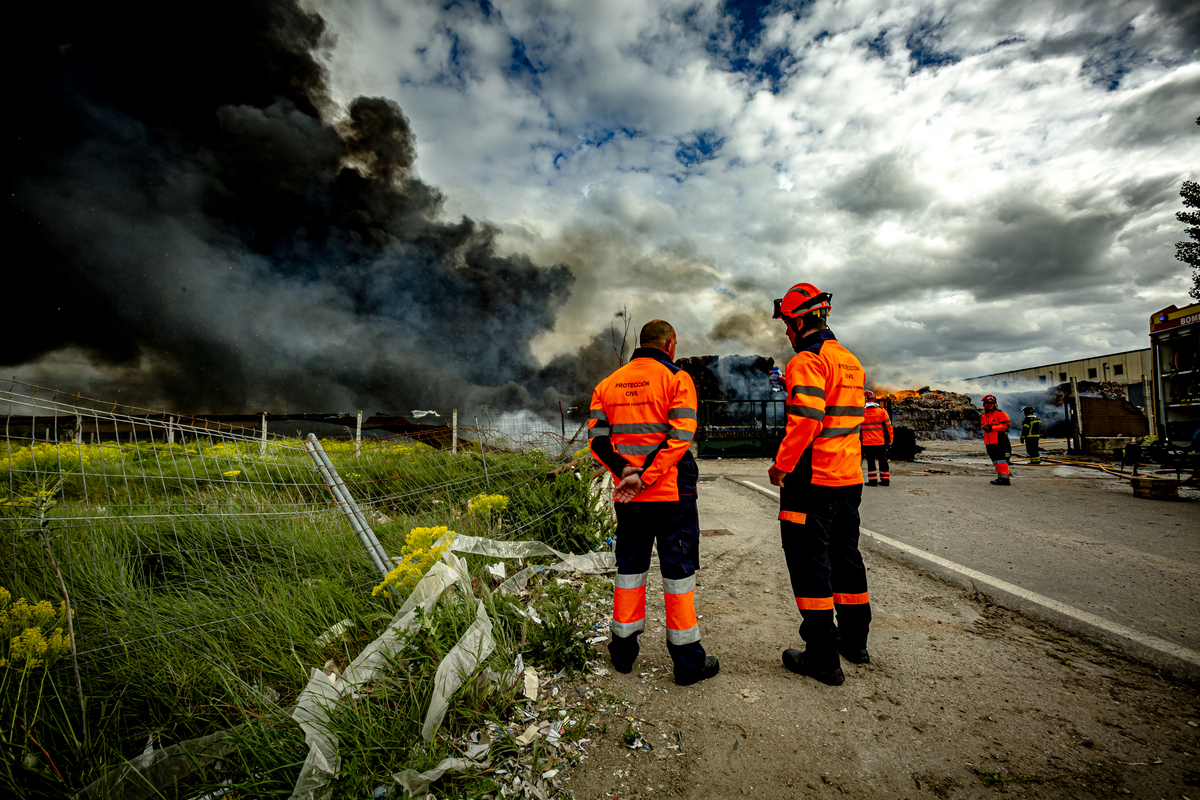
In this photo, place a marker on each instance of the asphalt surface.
(1072, 540)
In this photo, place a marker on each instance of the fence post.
(262, 447)
(350, 508)
(483, 455)
(78, 429)
(454, 431)
(358, 436)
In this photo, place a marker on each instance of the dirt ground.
(962, 698)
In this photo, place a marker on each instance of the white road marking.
(1108, 626)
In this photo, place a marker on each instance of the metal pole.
(342, 495)
(262, 447)
(1148, 404)
(170, 430)
(358, 436)
(345, 492)
(78, 429)
(1078, 414)
(454, 431)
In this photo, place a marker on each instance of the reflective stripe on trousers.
(629, 604)
(679, 596)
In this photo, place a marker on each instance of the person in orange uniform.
(818, 468)
(995, 424)
(876, 439)
(641, 426)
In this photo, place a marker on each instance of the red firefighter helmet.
(989, 398)
(870, 396)
(803, 299)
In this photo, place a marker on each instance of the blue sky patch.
(703, 147)
(924, 51)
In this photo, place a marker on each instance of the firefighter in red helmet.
(995, 424)
(819, 471)
(876, 439)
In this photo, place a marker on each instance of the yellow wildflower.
(233, 473)
(486, 503)
(421, 549)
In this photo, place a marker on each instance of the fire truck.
(1175, 350)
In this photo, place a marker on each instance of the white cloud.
(981, 185)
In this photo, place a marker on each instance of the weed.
(559, 641)
(200, 599)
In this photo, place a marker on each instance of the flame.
(900, 395)
(894, 394)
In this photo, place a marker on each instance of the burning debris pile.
(932, 414)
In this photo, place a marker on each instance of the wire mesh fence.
(162, 526)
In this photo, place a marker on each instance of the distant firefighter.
(876, 441)
(1031, 434)
(777, 382)
(995, 424)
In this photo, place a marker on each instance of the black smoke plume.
(193, 223)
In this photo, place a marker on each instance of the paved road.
(1073, 535)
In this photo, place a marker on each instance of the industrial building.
(1132, 369)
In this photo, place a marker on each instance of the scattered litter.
(531, 683)
(497, 570)
(417, 783)
(476, 751)
(528, 736)
(335, 632)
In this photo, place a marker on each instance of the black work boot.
(856, 656)
(688, 677)
(797, 661)
(885, 482)
(872, 483)
(1001, 480)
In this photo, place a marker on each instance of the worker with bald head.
(641, 426)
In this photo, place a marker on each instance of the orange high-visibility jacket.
(824, 412)
(644, 415)
(993, 424)
(877, 426)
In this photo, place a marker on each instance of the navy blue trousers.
(675, 526)
(826, 567)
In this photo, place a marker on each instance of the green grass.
(199, 597)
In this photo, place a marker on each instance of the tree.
(1189, 252)
(619, 349)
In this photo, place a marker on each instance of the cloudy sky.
(982, 185)
(306, 205)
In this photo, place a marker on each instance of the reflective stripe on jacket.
(994, 419)
(877, 426)
(1031, 428)
(644, 415)
(824, 413)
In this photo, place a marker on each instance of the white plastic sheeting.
(476, 644)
